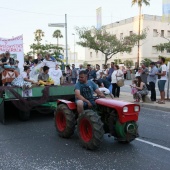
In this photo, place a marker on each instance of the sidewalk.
(152, 105)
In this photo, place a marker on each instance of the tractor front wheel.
(64, 121)
(90, 129)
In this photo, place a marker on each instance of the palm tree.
(140, 3)
(57, 34)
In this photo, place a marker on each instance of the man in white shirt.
(163, 77)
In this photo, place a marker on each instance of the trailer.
(36, 98)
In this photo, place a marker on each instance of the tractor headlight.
(136, 108)
(125, 109)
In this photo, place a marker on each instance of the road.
(35, 145)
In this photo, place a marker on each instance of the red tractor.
(115, 117)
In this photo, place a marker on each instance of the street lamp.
(62, 25)
(74, 49)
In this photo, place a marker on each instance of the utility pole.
(66, 38)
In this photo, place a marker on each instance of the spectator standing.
(105, 71)
(152, 78)
(78, 70)
(98, 71)
(116, 75)
(68, 74)
(163, 77)
(110, 71)
(74, 74)
(144, 73)
(91, 73)
(138, 73)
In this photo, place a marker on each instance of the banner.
(166, 10)
(99, 17)
(15, 47)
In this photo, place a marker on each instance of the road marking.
(153, 144)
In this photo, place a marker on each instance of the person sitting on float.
(23, 80)
(50, 62)
(43, 78)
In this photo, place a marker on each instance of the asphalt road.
(35, 145)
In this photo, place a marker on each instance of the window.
(154, 50)
(162, 33)
(130, 32)
(168, 33)
(121, 36)
(96, 54)
(91, 54)
(155, 33)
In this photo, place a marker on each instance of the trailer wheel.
(24, 116)
(90, 129)
(64, 121)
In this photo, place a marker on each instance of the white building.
(157, 33)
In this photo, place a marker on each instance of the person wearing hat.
(152, 78)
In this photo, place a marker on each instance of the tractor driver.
(84, 89)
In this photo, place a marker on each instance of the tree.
(108, 44)
(146, 61)
(38, 35)
(117, 61)
(85, 64)
(140, 3)
(57, 34)
(53, 50)
(128, 63)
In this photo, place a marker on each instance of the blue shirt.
(86, 90)
(110, 73)
(152, 77)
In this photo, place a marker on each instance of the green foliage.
(167, 59)
(54, 50)
(162, 47)
(140, 2)
(85, 64)
(117, 61)
(108, 44)
(57, 34)
(128, 63)
(146, 61)
(38, 35)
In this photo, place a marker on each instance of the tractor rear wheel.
(90, 129)
(64, 121)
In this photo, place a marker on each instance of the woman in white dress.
(51, 63)
(56, 75)
(116, 75)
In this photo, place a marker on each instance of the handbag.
(120, 82)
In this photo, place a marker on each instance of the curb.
(148, 105)
(155, 107)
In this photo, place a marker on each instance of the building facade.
(158, 32)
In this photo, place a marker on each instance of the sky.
(19, 17)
